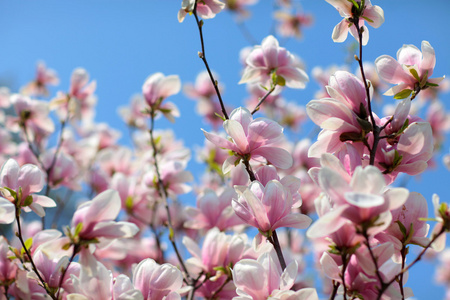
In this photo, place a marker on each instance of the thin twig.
(202, 55)
(33, 266)
(163, 193)
(263, 99)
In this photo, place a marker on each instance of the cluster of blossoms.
(243, 238)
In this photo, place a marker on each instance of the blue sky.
(121, 43)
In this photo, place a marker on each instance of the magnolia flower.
(19, 185)
(158, 87)
(43, 78)
(251, 139)
(206, 9)
(79, 102)
(268, 208)
(291, 25)
(364, 200)
(374, 15)
(157, 281)
(410, 72)
(264, 279)
(213, 211)
(97, 282)
(218, 252)
(268, 61)
(32, 117)
(95, 219)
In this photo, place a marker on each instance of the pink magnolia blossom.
(156, 89)
(341, 117)
(292, 25)
(32, 117)
(411, 71)
(79, 102)
(19, 185)
(97, 219)
(251, 139)
(213, 211)
(27, 288)
(410, 154)
(97, 282)
(442, 217)
(364, 200)
(238, 6)
(64, 171)
(407, 225)
(43, 78)
(264, 279)
(4, 97)
(133, 114)
(218, 252)
(8, 267)
(206, 9)
(439, 120)
(268, 59)
(268, 207)
(204, 93)
(373, 14)
(157, 281)
(50, 269)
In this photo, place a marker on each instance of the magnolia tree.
(264, 204)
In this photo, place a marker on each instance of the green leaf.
(66, 246)
(404, 126)
(402, 228)
(129, 203)
(355, 4)
(28, 243)
(431, 84)
(414, 74)
(365, 125)
(367, 19)
(403, 94)
(78, 228)
(279, 80)
(221, 117)
(28, 201)
(424, 80)
(410, 235)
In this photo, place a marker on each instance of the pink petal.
(340, 31)
(236, 132)
(390, 70)
(278, 157)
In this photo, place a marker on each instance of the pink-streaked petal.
(219, 141)
(7, 211)
(390, 70)
(112, 229)
(278, 157)
(9, 174)
(364, 200)
(236, 132)
(243, 116)
(429, 58)
(31, 179)
(270, 49)
(263, 130)
(330, 267)
(376, 14)
(328, 223)
(170, 85)
(294, 220)
(409, 55)
(340, 31)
